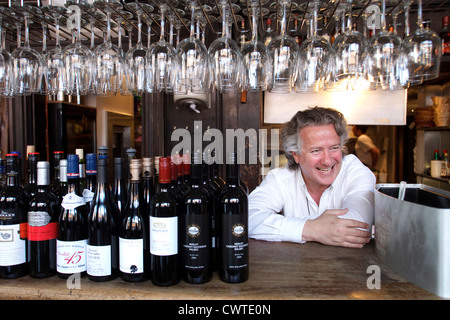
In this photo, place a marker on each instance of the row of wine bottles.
(182, 227)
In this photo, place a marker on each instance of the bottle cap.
(73, 170)
(91, 164)
(147, 167)
(43, 173)
(63, 170)
(164, 169)
(135, 169)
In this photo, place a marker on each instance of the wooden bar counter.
(277, 271)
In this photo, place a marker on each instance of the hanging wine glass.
(348, 64)
(6, 77)
(78, 59)
(54, 59)
(136, 57)
(108, 58)
(283, 50)
(149, 70)
(26, 63)
(163, 57)
(256, 56)
(384, 51)
(312, 55)
(424, 50)
(226, 58)
(193, 60)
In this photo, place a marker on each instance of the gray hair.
(316, 116)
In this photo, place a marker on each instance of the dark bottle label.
(234, 241)
(196, 242)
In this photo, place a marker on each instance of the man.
(365, 149)
(319, 195)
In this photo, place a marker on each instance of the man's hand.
(331, 230)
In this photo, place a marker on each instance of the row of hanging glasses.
(352, 62)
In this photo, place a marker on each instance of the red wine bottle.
(30, 188)
(120, 192)
(133, 259)
(164, 231)
(148, 184)
(13, 224)
(72, 236)
(195, 229)
(91, 178)
(43, 215)
(55, 169)
(102, 256)
(233, 267)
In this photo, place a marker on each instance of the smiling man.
(320, 195)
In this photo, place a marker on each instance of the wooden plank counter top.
(277, 271)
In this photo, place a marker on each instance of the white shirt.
(281, 204)
(362, 147)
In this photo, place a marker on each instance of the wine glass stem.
(407, 30)
(316, 9)
(108, 26)
(192, 30)
(349, 16)
(139, 17)
(254, 23)
(224, 21)
(383, 15)
(419, 15)
(27, 40)
(283, 19)
(163, 23)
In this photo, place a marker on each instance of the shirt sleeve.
(360, 196)
(266, 221)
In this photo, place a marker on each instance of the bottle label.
(12, 245)
(71, 256)
(196, 243)
(88, 195)
(131, 255)
(163, 236)
(445, 47)
(39, 226)
(99, 260)
(72, 201)
(235, 241)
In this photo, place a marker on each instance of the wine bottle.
(30, 188)
(72, 236)
(102, 254)
(120, 192)
(54, 170)
(43, 226)
(133, 259)
(156, 173)
(148, 189)
(195, 229)
(13, 224)
(62, 190)
(233, 267)
(91, 178)
(164, 231)
(82, 169)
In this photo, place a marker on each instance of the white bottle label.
(164, 236)
(131, 255)
(12, 248)
(70, 256)
(72, 201)
(88, 195)
(99, 260)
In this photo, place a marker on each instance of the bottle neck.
(196, 175)
(233, 177)
(12, 180)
